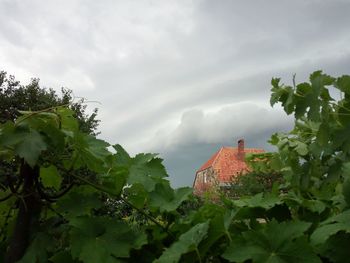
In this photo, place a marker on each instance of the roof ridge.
(236, 148)
(216, 157)
(209, 162)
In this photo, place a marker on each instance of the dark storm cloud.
(183, 162)
(200, 134)
(166, 69)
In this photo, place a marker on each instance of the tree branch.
(102, 189)
(2, 199)
(49, 197)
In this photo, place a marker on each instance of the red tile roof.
(227, 163)
(209, 163)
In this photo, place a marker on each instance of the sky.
(180, 78)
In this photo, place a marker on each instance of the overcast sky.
(181, 78)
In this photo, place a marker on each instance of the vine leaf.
(90, 152)
(323, 134)
(102, 240)
(331, 226)
(187, 242)
(346, 190)
(114, 181)
(122, 157)
(284, 242)
(68, 122)
(136, 195)
(337, 247)
(266, 201)
(145, 168)
(343, 84)
(79, 201)
(31, 147)
(301, 148)
(37, 251)
(219, 227)
(167, 199)
(50, 177)
(62, 256)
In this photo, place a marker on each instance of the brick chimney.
(241, 149)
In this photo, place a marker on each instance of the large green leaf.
(275, 91)
(10, 135)
(276, 242)
(337, 248)
(343, 84)
(68, 122)
(38, 249)
(114, 180)
(166, 199)
(79, 201)
(54, 137)
(102, 240)
(323, 134)
(266, 201)
(331, 226)
(346, 190)
(303, 92)
(218, 227)
(62, 256)
(187, 242)
(31, 147)
(122, 157)
(136, 195)
(50, 177)
(301, 148)
(292, 252)
(146, 170)
(90, 152)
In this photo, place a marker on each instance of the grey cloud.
(152, 110)
(184, 161)
(148, 62)
(200, 134)
(221, 125)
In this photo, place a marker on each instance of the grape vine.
(65, 203)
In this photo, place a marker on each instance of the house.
(221, 169)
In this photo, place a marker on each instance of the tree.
(15, 97)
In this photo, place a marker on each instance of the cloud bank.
(171, 75)
(230, 122)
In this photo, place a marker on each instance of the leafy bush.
(44, 218)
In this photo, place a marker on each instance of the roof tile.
(227, 163)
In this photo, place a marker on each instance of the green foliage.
(102, 240)
(187, 242)
(50, 178)
(254, 183)
(38, 249)
(92, 205)
(15, 98)
(276, 242)
(264, 176)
